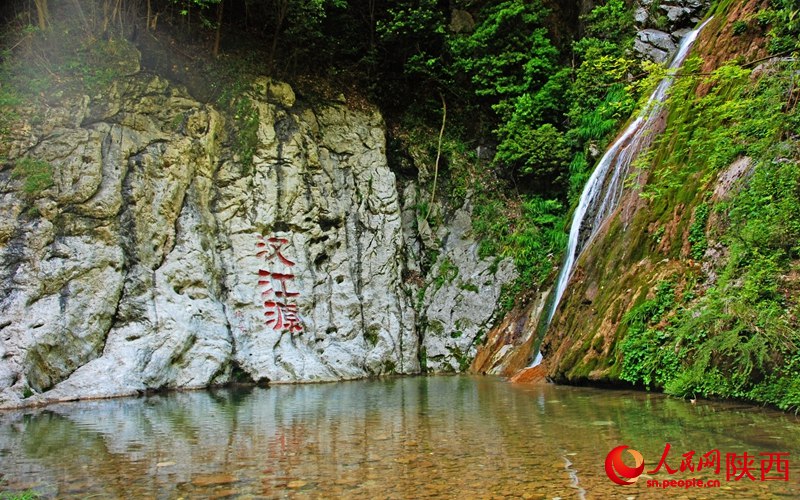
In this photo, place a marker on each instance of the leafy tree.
(203, 6)
(783, 16)
(611, 21)
(509, 53)
(413, 49)
(540, 153)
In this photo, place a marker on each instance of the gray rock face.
(655, 45)
(461, 21)
(160, 257)
(461, 297)
(663, 24)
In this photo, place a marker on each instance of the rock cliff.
(168, 253)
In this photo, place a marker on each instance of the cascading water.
(603, 190)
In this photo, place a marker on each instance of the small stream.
(419, 437)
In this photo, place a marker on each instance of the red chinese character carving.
(276, 244)
(663, 463)
(737, 467)
(291, 319)
(284, 291)
(781, 466)
(282, 314)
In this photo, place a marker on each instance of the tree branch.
(438, 155)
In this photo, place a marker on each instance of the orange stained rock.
(530, 375)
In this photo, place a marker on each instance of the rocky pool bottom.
(418, 437)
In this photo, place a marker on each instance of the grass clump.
(697, 232)
(36, 176)
(19, 495)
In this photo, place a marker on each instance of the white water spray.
(603, 190)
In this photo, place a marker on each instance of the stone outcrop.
(511, 342)
(662, 24)
(460, 298)
(175, 250)
(655, 45)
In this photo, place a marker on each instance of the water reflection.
(400, 438)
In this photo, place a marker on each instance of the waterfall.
(603, 190)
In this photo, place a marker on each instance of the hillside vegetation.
(692, 287)
(507, 105)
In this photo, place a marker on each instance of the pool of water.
(423, 437)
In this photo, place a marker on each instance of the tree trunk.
(79, 10)
(372, 25)
(42, 13)
(438, 155)
(281, 10)
(219, 28)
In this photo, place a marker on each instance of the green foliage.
(767, 214)
(508, 54)
(739, 27)
(98, 63)
(510, 60)
(740, 337)
(605, 62)
(541, 153)
(697, 232)
(185, 5)
(372, 334)
(9, 102)
(600, 97)
(534, 241)
(783, 17)
(459, 169)
(419, 25)
(736, 117)
(40, 67)
(36, 176)
(491, 224)
(547, 125)
(412, 36)
(446, 273)
(610, 21)
(245, 137)
(463, 359)
(304, 37)
(23, 495)
(578, 175)
(647, 356)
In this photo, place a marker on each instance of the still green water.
(423, 437)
